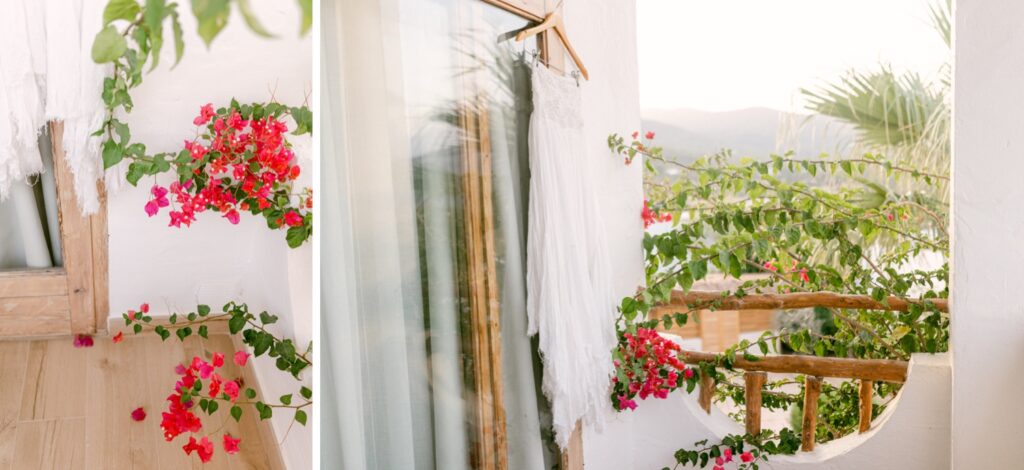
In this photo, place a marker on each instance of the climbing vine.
(802, 225)
(133, 36)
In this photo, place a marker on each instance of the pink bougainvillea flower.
(649, 135)
(118, 337)
(204, 448)
(747, 457)
(803, 275)
(159, 200)
(231, 444)
(771, 267)
(231, 389)
(215, 382)
(180, 369)
(218, 359)
(688, 373)
(232, 217)
(241, 358)
(83, 341)
(178, 419)
(718, 467)
(293, 219)
(635, 134)
(205, 114)
(727, 454)
(205, 370)
(138, 414)
(626, 403)
(144, 308)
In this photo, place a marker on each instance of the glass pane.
(438, 222)
(29, 228)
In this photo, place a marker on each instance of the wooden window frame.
(491, 447)
(72, 299)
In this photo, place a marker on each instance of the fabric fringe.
(47, 74)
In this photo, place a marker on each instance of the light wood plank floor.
(64, 408)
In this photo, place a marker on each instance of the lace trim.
(556, 98)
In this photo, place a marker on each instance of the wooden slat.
(13, 368)
(753, 381)
(707, 392)
(812, 390)
(34, 316)
(867, 394)
(33, 283)
(681, 300)
(76, 240)
(572, 456)
(100, 260)
(870, 369)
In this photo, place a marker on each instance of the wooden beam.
(867, 394)
(795, 300)
(754, 381)
(39, 316)
(812, 389)
(572, 456)
(883, 370)
(100, 256)
(33, 283)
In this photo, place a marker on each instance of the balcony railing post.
(707, 391)
(867, 393)
(754, 381)
(812, 389)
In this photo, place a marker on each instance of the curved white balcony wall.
(913, 432)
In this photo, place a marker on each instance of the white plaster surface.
(214, 261)
(988, 226)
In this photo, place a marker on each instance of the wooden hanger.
(554, 21)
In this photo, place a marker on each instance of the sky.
(720, 55)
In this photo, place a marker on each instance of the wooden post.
(754, 382)
(572, 456)
(812, 388)
(867, 392)
(707, 391)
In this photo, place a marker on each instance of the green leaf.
(120, 10)
(306, 393)
(266, 412)
(203, 310)
(267, 319)
(250, 19)
(307, 15)
(212, 407)
(250, 393)
(300, 416)
(263, 343)
(303, 120)
(203, 331)
(153, 19)
(286, 399)
(212, 16)
(236, 323)
(112, 154)
(179, 38)
(108, 46)
(297, 235)
(236, 412)
(137, 328)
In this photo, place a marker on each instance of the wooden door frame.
(74, 298)
(489, 407)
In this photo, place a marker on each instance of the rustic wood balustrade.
(814, 368)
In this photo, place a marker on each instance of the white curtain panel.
(392, 387)
(47, 74)
(29, 229)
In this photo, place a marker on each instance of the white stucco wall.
(214, 261)
(988, 223)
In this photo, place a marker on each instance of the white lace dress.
(570, 303)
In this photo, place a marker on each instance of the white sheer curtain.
(393, 392)
(29, 229)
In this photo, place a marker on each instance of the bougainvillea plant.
(806, 225)
(240, 161)
(202, 389)
(252, 139)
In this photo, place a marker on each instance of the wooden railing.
(815, 369)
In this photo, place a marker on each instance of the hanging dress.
(569, 298)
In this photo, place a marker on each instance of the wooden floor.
(64, 408)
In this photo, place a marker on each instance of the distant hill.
(756, 132)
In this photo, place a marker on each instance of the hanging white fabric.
(570, 302)
(47, 74)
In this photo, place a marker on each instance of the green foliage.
(808, 226)
(254, 333)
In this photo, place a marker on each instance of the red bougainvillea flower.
(144, 308)
(218, 359)
(636, 134)
(214, 385)
(231, 389)
(650, 217)
(241, 358)
(747, 457)
(83, 341)
(205, 114)
(118, 337)
(231, 444)
(718, 467)
(293, 219)
(649, 367)
(138, 414)
(178, 419)
(204, 448)
(649, 135)
(625, 403)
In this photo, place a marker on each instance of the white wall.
(214, 261)
(604, 34)
(988, 224)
